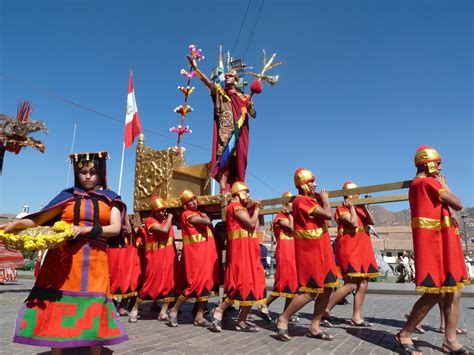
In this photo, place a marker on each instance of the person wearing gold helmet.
(162, 279)
(286, 279)
(439, 266)
(244, 280)
(229, 105)
(315, 265)
(200, 260)
(355, 254)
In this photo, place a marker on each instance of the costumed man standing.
(355, 254)
(163, 277)
(200, 260)
(315, 263)
(440, 269)
(244, 280)
(230, 106)
(70, 303)
(286, 279)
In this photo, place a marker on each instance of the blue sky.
(365, 83)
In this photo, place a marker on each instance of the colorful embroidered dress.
(439, 260)
(244, 279)
(353, 247)
(286, 278)
(315, 263)
(70, 304)
(163, 277)
(200, 260)
(9, 261)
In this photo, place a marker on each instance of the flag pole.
(72, 148)
(121, 170)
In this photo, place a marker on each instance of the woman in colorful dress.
(355, 254)
(440, 268)
(244, 280)
(200, 260)
(315, 265)
(286, 279)
(70, 303)
(162, 277)
(10, 260)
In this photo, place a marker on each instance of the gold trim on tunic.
(196, 238)
(282, 294)
(158, 245)
(353, 230)
(241, 233)
(284, 236)
(426, 223)
(310, 234)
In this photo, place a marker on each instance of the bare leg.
(95, 350)
(319, 308)
(243, 313)
(223, 182)
(133, 317)
(175, 309)
(296, 304)
(418, 313)
(201, 307)
(123, 307)
(340, 293)
(359, 300)
(164, 309)
(287, 303)
(451, 315)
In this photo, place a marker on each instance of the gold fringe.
(370, 275)
(442, 289)
(245, 303)
(170, 299)
(282, 294)
(312, 290)
(183, 298)
(331, 284)
(428, 289)
(126, 295)
(166, 299)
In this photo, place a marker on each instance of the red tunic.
(200, 260)
(244, 280)
(162, 278)
(438, 252)
(315, 263)
(286, 279)
(353, 246)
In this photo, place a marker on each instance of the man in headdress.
(438, 253)
(230, 105)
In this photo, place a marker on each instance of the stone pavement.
(148, 335)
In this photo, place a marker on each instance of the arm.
(350, 220)
(32, 222)
(163, 228)
(325, 211)
(247, 220)
(202, 219)
(206, 81)
(251, 109)
(287, 224)
(111, 230)
(370, 216)
(447, 196)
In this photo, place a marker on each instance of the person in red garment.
(355, 254)
(162, 279)
(439, 268)
(200, 260)
(286, 279)
(315, 265)
(244, 280)
(229, 105)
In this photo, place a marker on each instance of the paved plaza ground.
(149, 336)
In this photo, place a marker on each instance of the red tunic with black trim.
(163, 277)
(353, 245)
(438, 253)
(200, 259)
(315, 263)
(244, 280)
(286, 279)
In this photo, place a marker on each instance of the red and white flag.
(133, 126)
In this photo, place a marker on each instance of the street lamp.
(463, 217)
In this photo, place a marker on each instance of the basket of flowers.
(38, 238)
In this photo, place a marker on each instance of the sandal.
(216, 324)
(283, 334)
(407, 348)
(462, 350)
(266, 317)
(295, 319)
(164, 318)
(204, 323)
(363, 324)
(321, 335)
(459, 331)
(325, 323)
(247, 328)
(172, 321)
(133, 317)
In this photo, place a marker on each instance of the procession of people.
(79, 279)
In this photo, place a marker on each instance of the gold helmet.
(286, 194)
(241, 189)
(186, 196)
(157, 203)
(302, 178)
(426, 155)
(349, 185)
